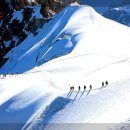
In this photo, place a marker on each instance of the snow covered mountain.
(30, 16)
(15, 30)
(58, 38)
(77, 47)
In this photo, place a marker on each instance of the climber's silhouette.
(106, 82)
(79, 88)
(83, 91)
(90, 87)
(76, 94)
(84, 87)
(71, 88)
(70, 92)
(102, 84)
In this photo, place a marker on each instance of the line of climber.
(104, 84)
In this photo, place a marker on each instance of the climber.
(90, 87)
(71, 88)
(106, 82)
(84, 87)
(102, 84)
(79, 88)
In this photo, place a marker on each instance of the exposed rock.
(51, 7)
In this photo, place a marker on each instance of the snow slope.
(109, 105)
(87, 33)
(81, 48)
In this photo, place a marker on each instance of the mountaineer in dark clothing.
(71, 88)
(84, 87)
(102, 84)
(106, 82)
(90, 87)
(79, 88)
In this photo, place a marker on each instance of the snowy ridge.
(60, 36)
(77, 47)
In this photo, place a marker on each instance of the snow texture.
(77, 47)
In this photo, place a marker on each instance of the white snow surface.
(81, 48)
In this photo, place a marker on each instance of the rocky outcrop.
(5, 8)
(51, 7)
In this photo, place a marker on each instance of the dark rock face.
(50, 7)
(13, 32)
(22, 3)
(4, 8)
(16, 4)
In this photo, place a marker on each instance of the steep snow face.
(95, 49)
(80, 32)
